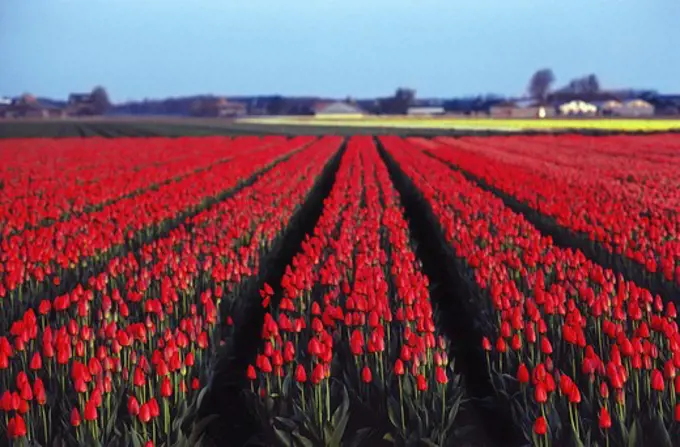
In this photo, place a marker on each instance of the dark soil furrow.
(228, 378)
(451, 294)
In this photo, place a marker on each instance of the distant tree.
(540, 83)
(584, 85)
(100, 100)
(276, 105)
(398, 104)
(592, 84)
(405, 96)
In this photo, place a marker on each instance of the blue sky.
(158, 48)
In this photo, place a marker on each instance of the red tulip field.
(331, 291)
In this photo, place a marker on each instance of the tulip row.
(351, 353)
(36, 261)
(629, 208)
(568, 343)
(61, 186)
(122, 357)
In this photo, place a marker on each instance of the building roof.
(80, 98)
(608, 104)
(638, 103)
(578, 105)
(340, 108)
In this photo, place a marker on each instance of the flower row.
(37, 257)
(353, 342)
(630, 207)
(567, 342)
(56, 182)
(125, 354)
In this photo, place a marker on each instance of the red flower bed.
(36, 257)
(121, 357)
(58, 178)
(567, 342)
(354, 333)
(136, 274)
(622, 193)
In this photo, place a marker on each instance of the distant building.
(228, 109)
(81, 104)
(635, 108)
(218, 108)
(504, 109)
(27, 106)
(665, 105)
(608, 108)
(521, 109)
(337, 109)
(425, 111)
(578, 107)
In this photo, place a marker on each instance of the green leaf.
(283, 437)
(662, 437)
(199, 428)
(302, 441)
(573, 440)
(632, 435)
(289, 424)
(287, 382)
(388, 437)
(453, 412)
(342, 412)
(339, 430)
(393, 412)
(201, 396)
(137, 440)
(269, 404)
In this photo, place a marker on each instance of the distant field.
(478, 123)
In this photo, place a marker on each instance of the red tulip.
(421, 382)
(36, 362)
(75, 417)
(399, 367)
(90, 413)
(546, 347)
(540, 426)
(605, 421)
(145, 413)
(486, 344)
(541, 394)
(366, 375)
(154, 408)
(522, 374)
(251, 373)
(133, 406)
(39, 391)
(16, 428)
(657, 380)
(604, 391)
(440, 376)
(166, 387)
(300, 374)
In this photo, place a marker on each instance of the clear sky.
(159, 48)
